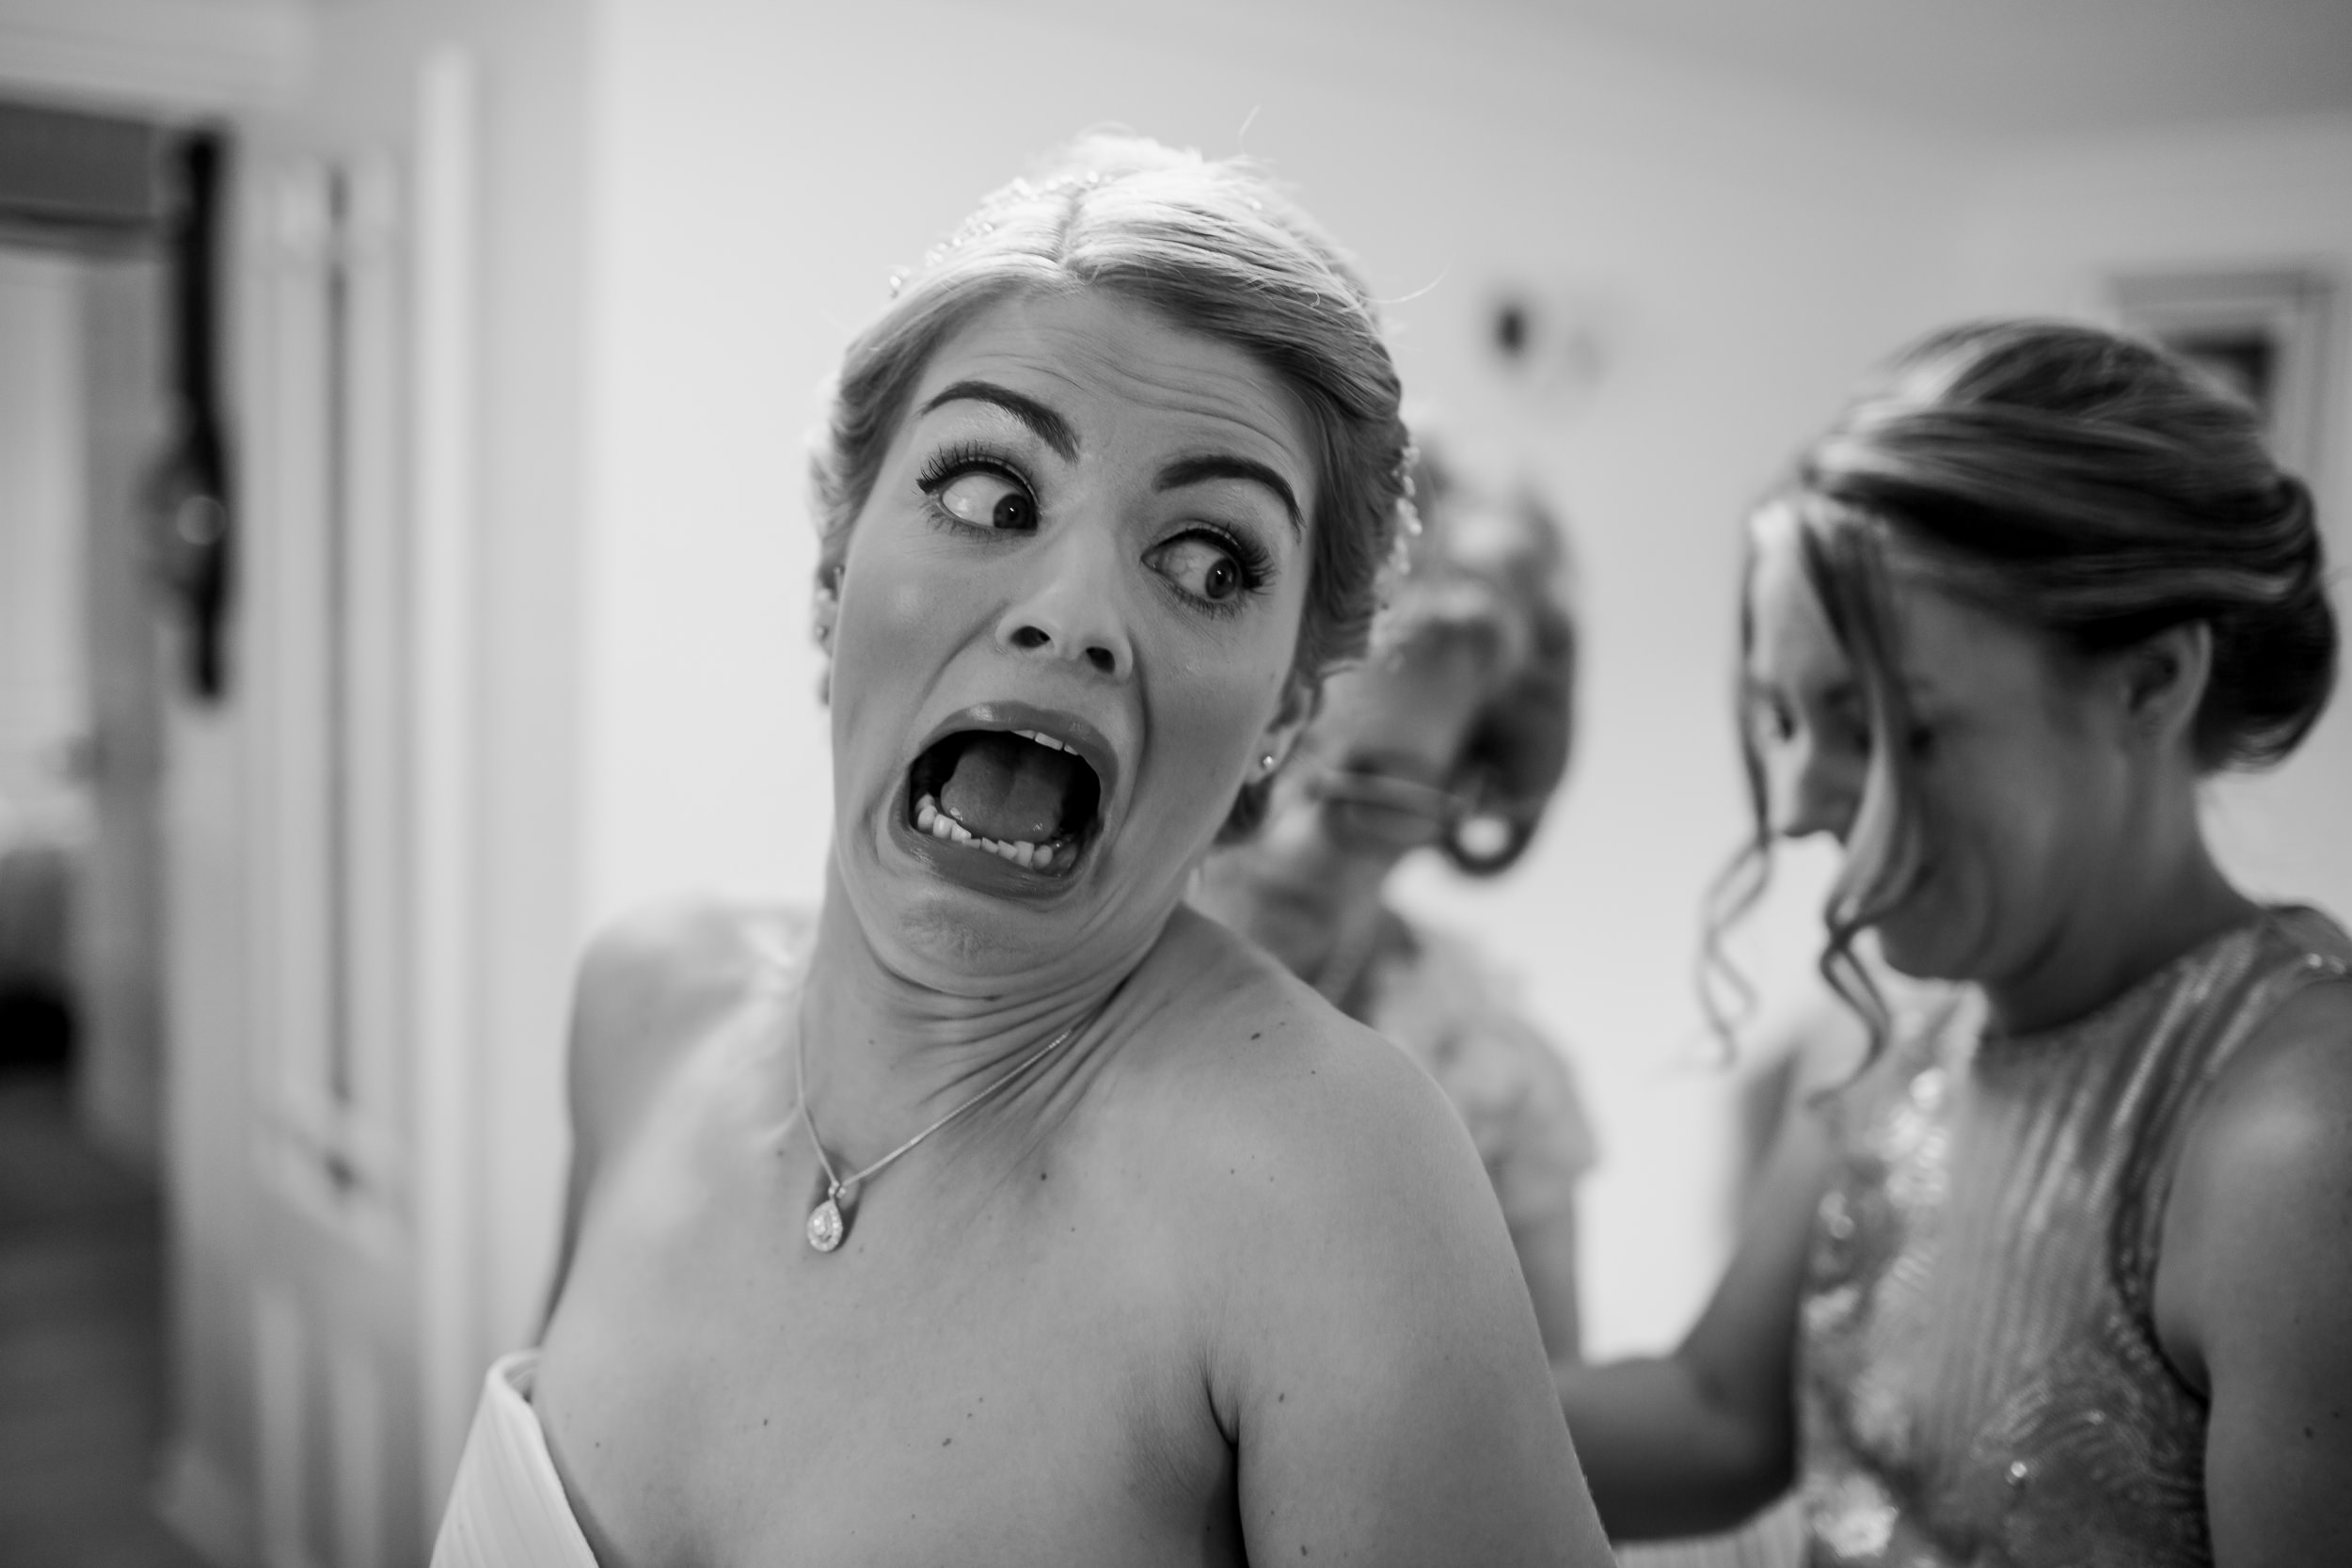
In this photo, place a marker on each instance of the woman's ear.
(2163, 680)
(824, 615)
(1296, 711)
(825, 608)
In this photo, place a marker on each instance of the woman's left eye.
(1205, 569)
(986, 499)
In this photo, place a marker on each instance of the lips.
(1003, 783)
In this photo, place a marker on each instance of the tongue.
(1009, 789)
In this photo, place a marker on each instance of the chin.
(1918, 960)
(1925, 948)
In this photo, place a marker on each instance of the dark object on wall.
(76, 178)
(98, 182)
(1549, 341)
(189, 497)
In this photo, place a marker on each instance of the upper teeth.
(1042, 739)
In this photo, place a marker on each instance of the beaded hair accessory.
(1399, 564)
(983, 222)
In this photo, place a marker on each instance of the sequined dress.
(1979, 1380)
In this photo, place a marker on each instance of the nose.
(1072, 608)
(1812, 787)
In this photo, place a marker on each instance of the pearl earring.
(828, 607)
(1265, 763)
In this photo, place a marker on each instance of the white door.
(321, 576)
(354, 581)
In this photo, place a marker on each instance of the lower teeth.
(930, 820)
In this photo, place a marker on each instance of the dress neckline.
(2156, 980)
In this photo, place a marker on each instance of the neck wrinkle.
(887, 1054)
(2184, 902)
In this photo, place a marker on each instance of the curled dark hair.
(2088, 487)
(1217, 249)
(1493, 571)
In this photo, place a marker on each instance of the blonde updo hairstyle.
(2088, 487)
(1217, 250)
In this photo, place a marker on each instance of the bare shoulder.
(2250, 1284)
(2283, 1105)
(1364, 1317)
(2267, 1168)
(1294, 1133)
(1267, 1073)
(651, 982)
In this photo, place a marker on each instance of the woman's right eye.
(986, 499)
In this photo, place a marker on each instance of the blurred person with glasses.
(1451, 735)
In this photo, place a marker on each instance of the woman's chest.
(980, 1373)
(1976, 1361)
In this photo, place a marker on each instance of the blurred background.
(405, 566)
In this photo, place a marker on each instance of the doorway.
(90, 225)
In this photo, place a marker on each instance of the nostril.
(1029, 637)
(1104, 660)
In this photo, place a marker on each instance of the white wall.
(527, 270)
(759, 171)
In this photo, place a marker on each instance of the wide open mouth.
(1020, 795)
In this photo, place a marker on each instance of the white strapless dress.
(507, 1509)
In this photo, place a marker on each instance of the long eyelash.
(1256, 564)
(954, 462)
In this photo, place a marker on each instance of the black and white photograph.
(1088, 783)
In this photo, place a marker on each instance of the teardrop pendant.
(826, 1225)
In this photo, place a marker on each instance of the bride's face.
(1065, 636)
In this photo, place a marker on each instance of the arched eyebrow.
(1049, 427)
(1195, 471)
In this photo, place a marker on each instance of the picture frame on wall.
(2262, 332)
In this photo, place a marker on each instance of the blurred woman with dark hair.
(1453, 734)
(2057, 1276)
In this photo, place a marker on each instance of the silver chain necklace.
(829, 1222)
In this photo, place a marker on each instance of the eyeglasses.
(1367, 810)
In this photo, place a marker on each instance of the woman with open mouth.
(1005, 1210)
